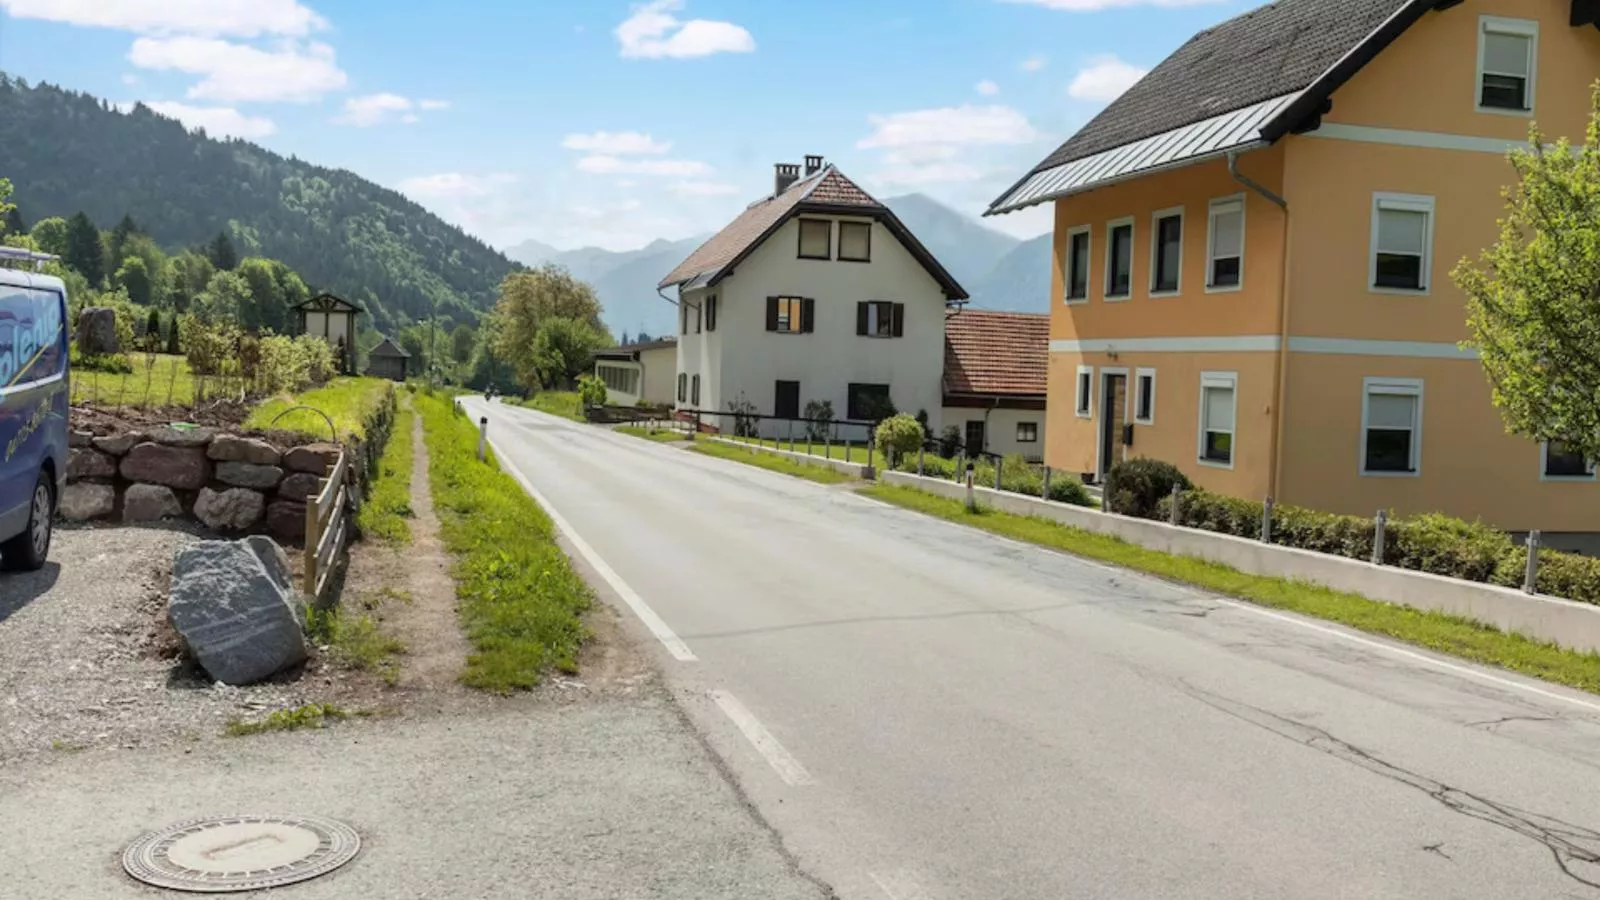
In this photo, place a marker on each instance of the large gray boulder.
(235, 509)
(83, 463)
(232, 448)
(181, 437)
(316, 459)
(287, 520)
(237, 610)
(82, 501)
(299, 486)
(149, 503)
(242, 474)
(179, 467)
(97, 331)
(119, 444)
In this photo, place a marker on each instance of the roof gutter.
(1280, 387)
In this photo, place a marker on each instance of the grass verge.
(1454, 635)
(771, 462)
(353, 640)
(659, 435)
(312, 715)
(566, 404)
(851, 453)
(519, 597)
(387, 513)
(349, 402)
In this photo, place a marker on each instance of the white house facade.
(816, 293)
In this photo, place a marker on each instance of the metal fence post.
(997, 475)
(808, 439)
(483, 436)
(827, 445)
(1175, 515)
(921, 452)
(1379, 526)
(1045, 490)
(961, 463)
(1105, 498)
(972, 500)
(791, 435)
(1530, 581)
(1266, 522)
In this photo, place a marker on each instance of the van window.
(30, 336)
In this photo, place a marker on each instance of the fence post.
(972, 501)
(997, 475)
(1045, 491)
(1381, 524)
(1174, 515)
(483, 436)
(1105, 497)
(791, 435)
(1266, 522)
(313, 540)
(961, 463)
(921, 451)
(808, 439)
(1530, 581)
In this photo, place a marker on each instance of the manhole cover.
(240, 853)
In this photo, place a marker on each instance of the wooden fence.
(327, 525)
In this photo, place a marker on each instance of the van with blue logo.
(33, 409)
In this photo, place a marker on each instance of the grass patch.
(771, 462)
(519, 597)
(387, 513)
(566, 404)
(1436, 631)
(312, 715)
(659, 435)
(159, 380)
(354, 640)
(349, 402)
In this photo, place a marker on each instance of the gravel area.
(87, 659)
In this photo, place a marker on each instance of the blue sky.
(593, 122)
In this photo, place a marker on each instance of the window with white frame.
(1218, 411)
(1561, 462)
(1402, 242)
(1225, 244)
(1119, 259)
(1508, 53)
(1166, 251)
(1144, 396)
(1391, 426)
(1085, 405)
(1078, 264)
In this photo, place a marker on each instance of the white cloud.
(130, 80)
(601, 164)
(652, 32)
(218, 121)
(923, 175)
(1098, 5)
(217, 18)
(919, 154)
(616, 143)
(703, 189)
(1034, 64)
(958, 125)
(987, 88)
(433, 105)
(240, 73)
(1104, 79)
(379, 109)
(446, 185)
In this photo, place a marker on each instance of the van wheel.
(28, 550)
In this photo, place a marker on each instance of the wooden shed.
(334, 320)
(388, 360)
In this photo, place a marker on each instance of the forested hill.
(66, 151)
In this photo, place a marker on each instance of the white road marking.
(664, 633)
(898, 885)
(781, 761)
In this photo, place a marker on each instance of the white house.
(996, 370)
(815, 293)
(639, 373)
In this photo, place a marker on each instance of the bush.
(820, 414)
(1445, 546)
(592, 391)
(950, 441)
(1136, 487)
(1017, 475)
(898, 436)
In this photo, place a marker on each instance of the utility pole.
(428, 357)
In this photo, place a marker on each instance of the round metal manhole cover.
(224, 854)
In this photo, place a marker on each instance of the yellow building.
(1253, 247)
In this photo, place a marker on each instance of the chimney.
(787, 175)
(813, 165)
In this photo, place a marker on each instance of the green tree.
(563, 350)
(1533, 305)
(190, 273)
(221, 253)
(462, 340)
(51, 234)
(266, 308)
(7, 209)
(84, 253)
(174, 347)
(13, 224)
(531, 299)
(223, 299)
(134, 277)
(152, 328)
(117, 241)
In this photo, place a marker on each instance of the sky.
(613, 123)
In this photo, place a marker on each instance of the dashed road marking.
(781, 761)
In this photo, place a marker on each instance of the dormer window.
(855, 241)
(816, 239)
(1507, 54)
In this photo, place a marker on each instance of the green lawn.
(660, 435)
(771, 462)
(566, 404)
(387, 515)
(1436, 631)
(849, 452)
(156, 381)
(349, 402)
(520, 599)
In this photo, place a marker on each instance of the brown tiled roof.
(828, 190)
(996, 353)
(630, 351)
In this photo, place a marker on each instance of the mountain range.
(998, 270)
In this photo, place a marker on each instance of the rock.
(299, 486)
(119, 444)
(179, 467)
(149, 503)
(182, 437)
(242, 474)
(97, 331)
(314, 458)
(236, 609)
(83, 463)
(79, 438)
(232, 448)
(235, 509)
(81, 501)
(286, 520)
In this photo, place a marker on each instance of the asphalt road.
(925, 712)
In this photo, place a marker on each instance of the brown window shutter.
(899, 320)
(808, 315)
(772, 313)
(861, 318)
(711, 313)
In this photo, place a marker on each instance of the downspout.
(1281, 385)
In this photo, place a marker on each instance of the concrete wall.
(854, 470)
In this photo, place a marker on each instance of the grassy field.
(1436, 631)
(386, 515)
(771, 462)
(520, 600)
(161, 380)
(348, 401)
(566, 404)
(660, 435)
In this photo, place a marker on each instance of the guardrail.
(327, 525)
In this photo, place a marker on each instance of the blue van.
(33, 410)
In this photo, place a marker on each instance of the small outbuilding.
(388, 360)
(334, 320)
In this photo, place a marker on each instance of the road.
(925, 712)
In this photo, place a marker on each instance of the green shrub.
(1017, 475)
(1446, 546)
(898, 437)
(1136, 487)
(592, 391)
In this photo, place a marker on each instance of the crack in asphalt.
(1490, 724)
(1567, 843)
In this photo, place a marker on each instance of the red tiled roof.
(996, 353)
